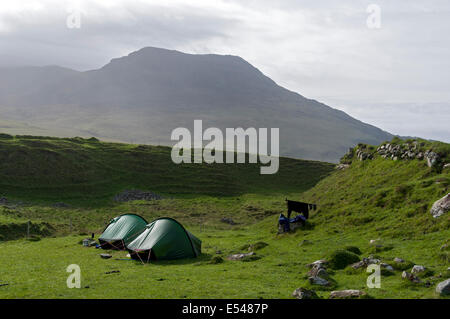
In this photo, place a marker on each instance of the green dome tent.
(122, 230)
(164, 238)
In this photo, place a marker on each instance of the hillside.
(142, 97)
(90, 172)
(373, 199)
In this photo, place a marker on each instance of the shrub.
(353, 249)
(340, 259)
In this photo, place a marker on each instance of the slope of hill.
(142, 97)
(89, 171)
(388, 198)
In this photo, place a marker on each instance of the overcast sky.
(396, 77)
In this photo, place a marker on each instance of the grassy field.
(375, 199)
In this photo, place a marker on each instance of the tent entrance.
(114, 245)
(142, 255)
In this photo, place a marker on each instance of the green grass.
(377, 199)
(86, 172)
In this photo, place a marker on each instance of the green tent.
(164, 238)
(122, 230)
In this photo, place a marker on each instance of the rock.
(399, 260)
(374, 241)
(346, 294)
(131, 195)
(410, 277)
(227, 220)
(322, 263)
(240, 256)
(3, 201)
(342, 166)
(303, 293)
(432, 158)
(446, 166)
(365, 262)
(387, 266)
(417, 269)
(443, 288)
(105, 256)
(419, 156)
(441, 206)
(318, 281)
(318, 271)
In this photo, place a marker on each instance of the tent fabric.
(165, 238)
(121, 230)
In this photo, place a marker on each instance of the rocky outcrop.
(393, 151)
(303, 293)
(318, 281)
(441, 206)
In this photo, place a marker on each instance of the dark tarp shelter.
(164, 238)
(121, 231)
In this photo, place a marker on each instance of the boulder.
(318, 271)
(441, 206)
(322, 263)
(342, 166)
(443, 288)
(318, 281)
(417, 269)
(432, 158)
(303, 293)
(240, 256)
(387, 266)
(346, 294)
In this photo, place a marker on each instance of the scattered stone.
(303, 293)
(318, 271)
(446, 166)
(432, 158)
(365, 262)
(131, 195)
(342, 166)
(374, 241)
(387, 266)
(441, 206)
(318, 281)
(443, 288)
(410, 277)
(322, 263)
(399, 260)
(240, 256)
(112, 272)
(417, 269)
(227, 220)
(105, 256)
(346, 294)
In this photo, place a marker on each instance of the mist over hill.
(142, 97)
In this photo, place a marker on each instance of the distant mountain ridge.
(142, 97)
